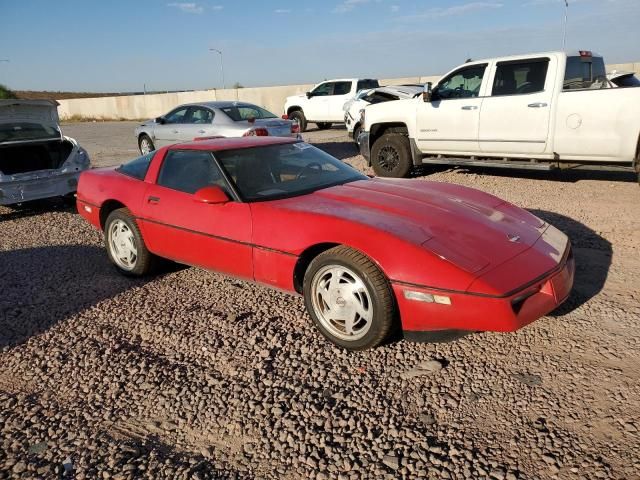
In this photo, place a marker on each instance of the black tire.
(324, 125)
(384, 316)
(299, 116)
(356, 133)
(145, 261)
(146, 138)
(391, 156)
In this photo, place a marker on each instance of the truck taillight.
(257, 132)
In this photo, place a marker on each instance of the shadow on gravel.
(340, 150)
(593, 255)
(36, 207)
(44, 286)
(568, 176)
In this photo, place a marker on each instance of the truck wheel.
(324, 126)
(349, 299)
(298, 116)
(356, 134)
(391, 156)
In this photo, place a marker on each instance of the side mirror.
(427, 93)
(309, 94)
(211, 195)
(160, 120)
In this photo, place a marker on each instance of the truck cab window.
(520, 78)
(584, 72)
(464, 83)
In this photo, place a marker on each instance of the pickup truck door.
(450, 122)
(317, 105)
(515, 117)
(342, 91)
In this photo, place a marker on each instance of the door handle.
(202, 131)
(153, 200)
(469, 107)
(538, 105)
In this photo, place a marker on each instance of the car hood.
(39, 112)
(466, 227)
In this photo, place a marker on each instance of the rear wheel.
(298, 116)
(349, 299)
(391, 156)
(125, 245)
(145, 144)
(324, 125)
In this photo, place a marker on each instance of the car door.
(178, 227)
(515, 117)
(450, 122)
(170, 131)
(342, 91)
(198, 123)
(317, 105)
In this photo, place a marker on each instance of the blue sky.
(120, 45)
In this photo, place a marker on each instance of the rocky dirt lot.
(194, 375)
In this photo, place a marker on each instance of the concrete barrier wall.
(132, 107)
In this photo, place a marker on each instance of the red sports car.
(368, 255)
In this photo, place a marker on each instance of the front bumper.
(46, 186)
(363, 141)
(480, 312)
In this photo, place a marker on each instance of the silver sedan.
(211, 119)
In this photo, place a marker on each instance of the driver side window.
(464, 83)
(177, 116)
(323, 90)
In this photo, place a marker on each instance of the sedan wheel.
(349, 299)
(125, 246)
(146, 145)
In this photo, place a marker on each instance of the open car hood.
(28, 120)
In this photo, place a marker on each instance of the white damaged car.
(353, 108)
(36, 160)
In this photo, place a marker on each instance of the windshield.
(241, 113)
(282, 171)
(627, 81)
(17, 132)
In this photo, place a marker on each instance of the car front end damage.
(23, 186)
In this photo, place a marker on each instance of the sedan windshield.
(239, 113)
(17, 132)
(285, 170)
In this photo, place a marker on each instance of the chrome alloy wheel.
(145, 146)
(122, 244)
(342, 302)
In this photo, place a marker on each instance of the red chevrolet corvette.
(369, 255)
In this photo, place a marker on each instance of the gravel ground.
(194, 375)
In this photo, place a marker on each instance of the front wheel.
(349, 299)
(145, 144)
(125, 245)
(391, 156)
(356, 133)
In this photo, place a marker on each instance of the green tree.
(6, 93)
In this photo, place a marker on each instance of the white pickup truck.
(323, 104)
(540, 111)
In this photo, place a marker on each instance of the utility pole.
(221, 64)
(566, 17)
